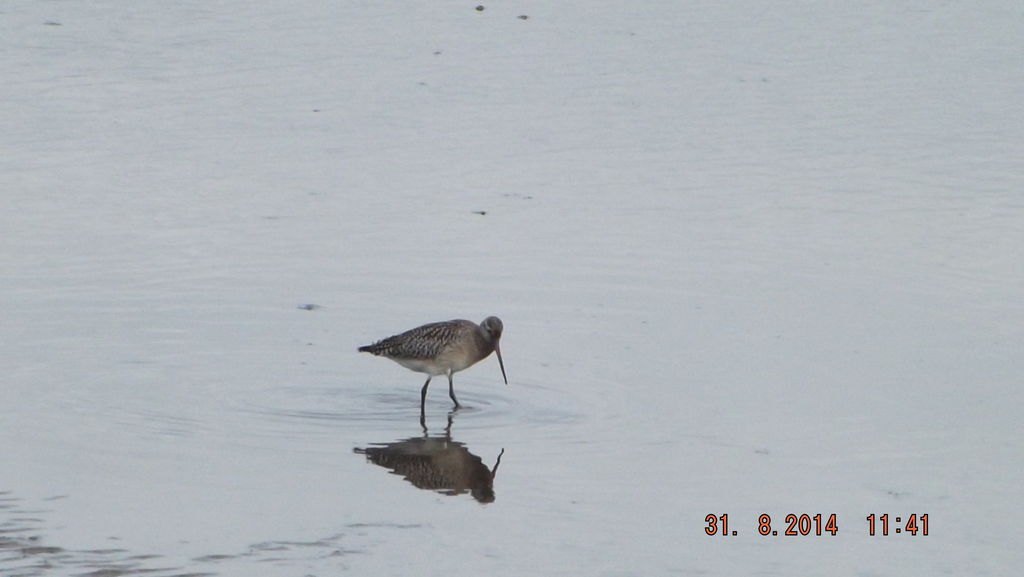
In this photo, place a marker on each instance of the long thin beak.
(494, 471)
(501, 364)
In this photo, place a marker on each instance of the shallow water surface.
(747, 263)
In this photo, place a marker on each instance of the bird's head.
(492, 328)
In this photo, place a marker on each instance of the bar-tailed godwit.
(443, 348)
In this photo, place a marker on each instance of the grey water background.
(749, 259)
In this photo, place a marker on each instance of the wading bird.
(443, 348)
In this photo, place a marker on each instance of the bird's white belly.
(453, 360)
(429, 366)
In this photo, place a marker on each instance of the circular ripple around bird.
(301, 412)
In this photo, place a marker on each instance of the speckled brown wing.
(424, 342)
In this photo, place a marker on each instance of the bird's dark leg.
(451, 390)
(423, 396)
(448, 429)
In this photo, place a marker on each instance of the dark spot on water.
(216, 557)
(480, 8)
(308, 307)
(523, 17)
(52, 23)
(119, 571)
(40, 550)
(386, 524)
(480, 212)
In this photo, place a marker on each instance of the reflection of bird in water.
(443, 348)
(436, 464)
